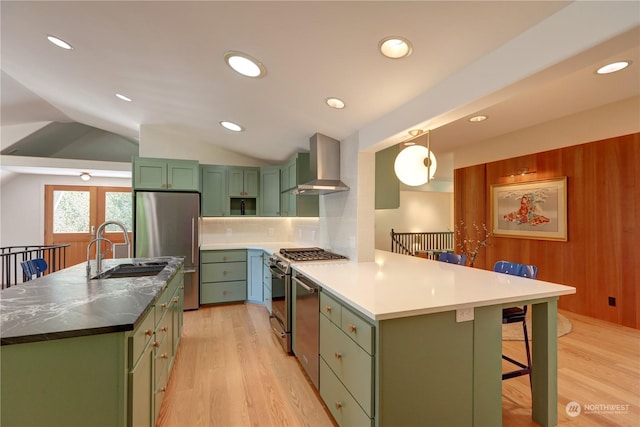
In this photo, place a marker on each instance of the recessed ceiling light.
(124, 98)
(231, 126)
(476, 119)
(336, 103)
(395, 47)
(59, 42)
(613, 67)
(245, 64)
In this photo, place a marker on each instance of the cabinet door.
(236, 182)
(251, 181)
(284, 197)
(141, 391)
(270, 191)
(254, 276)
(183, 175)
(149, 174)
(214, 191)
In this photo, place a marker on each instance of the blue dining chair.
(452, 258)
(40, 266)
(28, 270)
(517, 314)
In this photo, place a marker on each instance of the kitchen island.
(81, 351)
(436, 339)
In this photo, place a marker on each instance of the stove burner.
(309, 254)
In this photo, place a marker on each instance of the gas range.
(286, 256)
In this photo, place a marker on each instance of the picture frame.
(530, 210)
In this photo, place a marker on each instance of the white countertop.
(401, 286)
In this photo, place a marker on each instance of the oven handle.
(276, 271)
(304, 285)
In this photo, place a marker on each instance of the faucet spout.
(100, 233)
(98, 254)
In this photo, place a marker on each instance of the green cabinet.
(165, 174)
(215, 201)
(223, 276)
(110, 379)
(347, 361)
(243, 187)
(243, 182)
(387, 192)
(254, 275)
(297, 171)
(270, 191)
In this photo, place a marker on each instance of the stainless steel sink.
(132, 270)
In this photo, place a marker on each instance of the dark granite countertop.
(65, 304)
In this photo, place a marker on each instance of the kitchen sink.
(132, 270)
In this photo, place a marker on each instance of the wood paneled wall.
(601, 258)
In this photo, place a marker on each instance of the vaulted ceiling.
(168, 58)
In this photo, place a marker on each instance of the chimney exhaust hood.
(324, 158)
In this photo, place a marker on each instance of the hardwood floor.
(231, 372)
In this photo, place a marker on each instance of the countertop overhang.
(66, 304)
(397, 285)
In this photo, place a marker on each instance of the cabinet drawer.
(330, 308)
(162, 354)
(141, 336)
(223, 272)
(342, 405)
(351, 364)
(224, 256)
(223, 292)
(358, 329)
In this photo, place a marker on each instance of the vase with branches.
(470, 243)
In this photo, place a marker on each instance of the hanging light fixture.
(416, 164)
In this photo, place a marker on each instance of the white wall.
(22, 205)
(418, 212)
(158, 141)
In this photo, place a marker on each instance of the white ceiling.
(168, 57)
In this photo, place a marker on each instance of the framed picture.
(532, 210)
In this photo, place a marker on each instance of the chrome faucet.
(98, 254)
(99, 236)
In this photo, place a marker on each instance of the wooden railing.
(12, 256)
(423, 243)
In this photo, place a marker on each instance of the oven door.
(281, 306)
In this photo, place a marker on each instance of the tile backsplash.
(302, 231)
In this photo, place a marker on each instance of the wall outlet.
(464, 314)
(612, 301)
(229, 232)
(313, 235)
(271, 232)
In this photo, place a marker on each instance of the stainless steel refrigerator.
(166, 224)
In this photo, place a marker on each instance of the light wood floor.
(231, 372)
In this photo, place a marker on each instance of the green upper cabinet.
(387, 184)
(243, 182)
(296, 171)
(270, 191)
(165, 174)
(214, 190)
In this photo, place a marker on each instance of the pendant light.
(416, 164)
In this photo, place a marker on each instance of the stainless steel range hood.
(324, 158)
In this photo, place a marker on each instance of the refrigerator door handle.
(193, 239)
(190, 270)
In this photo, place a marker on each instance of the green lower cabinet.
(223, 276)
(116, 379)
(254, 276)
(140, 410)
(341, 404)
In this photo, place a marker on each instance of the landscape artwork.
(534, 209)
